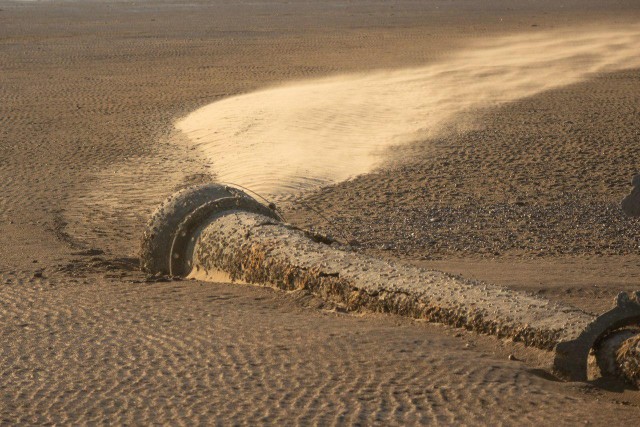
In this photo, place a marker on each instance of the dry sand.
(301, 136)
(525, 194)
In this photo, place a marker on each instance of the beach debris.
(216, 232)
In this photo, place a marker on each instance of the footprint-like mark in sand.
(292, 138)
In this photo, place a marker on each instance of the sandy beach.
(491, 139)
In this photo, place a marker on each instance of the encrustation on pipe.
(628, 360)
(206, 231)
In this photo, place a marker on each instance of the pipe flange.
(163, 241)
(185, 235)
(571, 357)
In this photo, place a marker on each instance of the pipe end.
(172, 224)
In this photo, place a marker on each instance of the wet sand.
(526, 196)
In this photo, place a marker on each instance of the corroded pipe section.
(255, 249)
(232, 235)
(628, 360)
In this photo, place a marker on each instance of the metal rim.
(179, 264)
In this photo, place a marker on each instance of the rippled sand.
(90, 92)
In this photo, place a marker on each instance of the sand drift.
(299, 136)
(215, 232)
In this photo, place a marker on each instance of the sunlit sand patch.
(287, 139)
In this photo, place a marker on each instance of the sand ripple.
(106, 352)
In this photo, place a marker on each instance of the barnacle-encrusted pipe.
(231, 234)
(628, 360)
